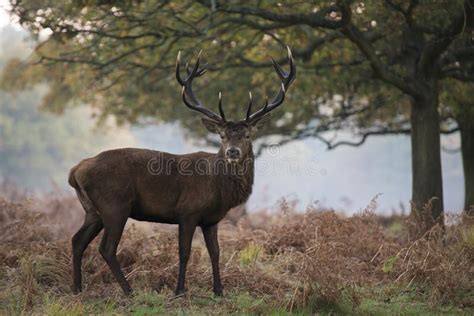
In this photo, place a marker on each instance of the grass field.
(313, 263)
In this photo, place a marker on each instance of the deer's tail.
(84, 199)
(72, 179)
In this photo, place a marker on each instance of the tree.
(37, 148)
(465, 119)
(461, 108)
(373, 53)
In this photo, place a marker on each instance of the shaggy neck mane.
(235, 181)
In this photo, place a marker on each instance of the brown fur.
(165, 198)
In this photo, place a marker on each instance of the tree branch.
(439, 44)
(330, 144)
(381, 70)
(458, 74)
(458, 55)
(316, 19)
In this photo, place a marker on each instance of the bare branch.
(315, 131)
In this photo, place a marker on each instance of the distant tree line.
(36, 148)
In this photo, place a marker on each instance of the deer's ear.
(212, 126)
(260, 122)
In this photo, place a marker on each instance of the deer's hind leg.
(186, 233)
(83, 237)
(113, 229)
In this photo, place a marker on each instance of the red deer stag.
(190, 190)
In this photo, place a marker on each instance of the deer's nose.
(233, 152)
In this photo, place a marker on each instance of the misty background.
(37, 149)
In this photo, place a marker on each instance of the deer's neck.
(235, 182)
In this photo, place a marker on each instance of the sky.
(4, 17)
(346, 178)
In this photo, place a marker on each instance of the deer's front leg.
(186, 232)
(212, 243)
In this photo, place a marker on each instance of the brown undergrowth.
(293, 260)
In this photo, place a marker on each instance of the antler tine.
(187, 91)
(221, 111)
(279, 70)
(286, 80)
(202, 70)
(193, 72)
(292, 65)
(178, 76)
(281, 73)
(249, 108)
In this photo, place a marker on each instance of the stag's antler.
(286, 80)
(187, 90)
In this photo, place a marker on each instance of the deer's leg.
(89, 230)
(210, 236)
(113, 229)
(186, 232)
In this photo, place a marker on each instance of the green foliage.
(56, 309)
(389, 264)
(249, 255)
(119, 56)
(468, 236)
(398, 302)
(245, 301)
(148, 303)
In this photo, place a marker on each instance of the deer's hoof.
(128, 292)
(179, 292)
(218, 292)
(76, 290)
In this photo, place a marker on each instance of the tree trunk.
(466, 126)
(426, 158)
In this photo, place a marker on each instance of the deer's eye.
(247, 136)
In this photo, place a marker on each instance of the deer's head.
(236, 137)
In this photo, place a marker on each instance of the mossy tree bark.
(466, 127)
(427, 180)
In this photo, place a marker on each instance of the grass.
(146, 302)
(249, 255)
(314, 263)
(406, 303)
